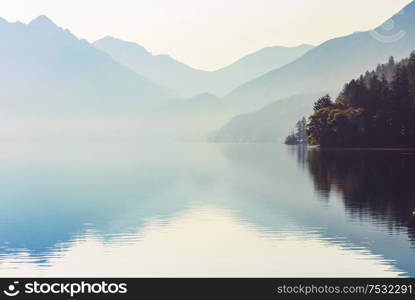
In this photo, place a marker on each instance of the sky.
(208, 34)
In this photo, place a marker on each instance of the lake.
(131, 209)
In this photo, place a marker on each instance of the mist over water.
(149, 127)
(133, 208)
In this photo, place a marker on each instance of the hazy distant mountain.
(47, 70)
(330, 65)
(200, 103)
(255, 65)
(269, 124)
(188, 81)
(162, 69)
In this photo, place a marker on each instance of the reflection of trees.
(380, 184)
(300, 152)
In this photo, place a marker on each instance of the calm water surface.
(134, 209)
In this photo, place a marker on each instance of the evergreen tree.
(299, 136)
(291, 139)
(411, 77)
(323, 102)
(301, 133)
(369, 112)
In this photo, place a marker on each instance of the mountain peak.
(43, 21)
(402, 20)
(108, 38)
(110, 41)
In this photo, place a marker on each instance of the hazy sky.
(208, 34)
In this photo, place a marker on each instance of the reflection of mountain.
(63, 202)
(52, 196)
(374, 183)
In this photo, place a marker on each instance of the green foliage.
(323, 102)
(369, 112)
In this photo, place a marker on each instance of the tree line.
(299, 135)
(375, 110)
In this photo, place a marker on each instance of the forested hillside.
(376, 110)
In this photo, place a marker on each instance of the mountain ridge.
(189, 81)
(330, 64)
(262, 120)
(59, 66)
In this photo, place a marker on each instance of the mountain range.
(270, 124)
(187, 81)
(266, 106)
(46, 70)
(329, 65)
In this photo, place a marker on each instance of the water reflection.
(203, 242)
(300, 152)
(376, 191)
(128, 209)
(375, 184)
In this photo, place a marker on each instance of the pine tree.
(369, 112)
(299, 136)
(411, 77)
(323, 102)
